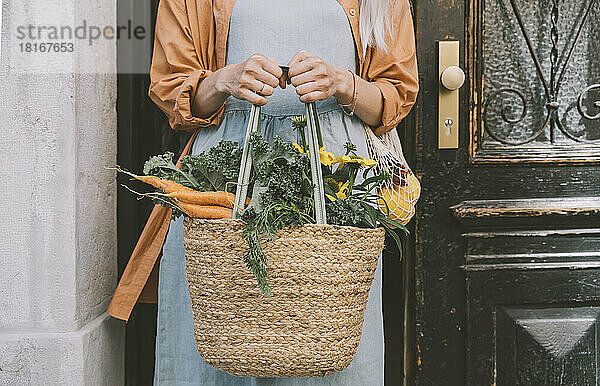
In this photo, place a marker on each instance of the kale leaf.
(162, 166)
(216, 169)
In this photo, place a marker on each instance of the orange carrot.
(166, 186)
(171, 186)
(187, 196)
(225, 199)
(204, 211)
(151, 180)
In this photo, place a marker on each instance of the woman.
(213, 59)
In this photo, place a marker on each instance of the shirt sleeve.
(395, 72)
(177, 69)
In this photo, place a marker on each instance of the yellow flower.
(368, 162)
(346, 159)
(298, 147)
(342, 160)
(327, 157)
(341, 189)
(299, 122)
(342, 193)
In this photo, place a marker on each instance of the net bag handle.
(314, 139)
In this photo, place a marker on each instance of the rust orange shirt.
(191, 43)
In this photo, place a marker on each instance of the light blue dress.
(277, 29)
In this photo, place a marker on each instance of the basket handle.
(314, 140)
(246, 164)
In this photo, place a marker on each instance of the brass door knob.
(453, 77)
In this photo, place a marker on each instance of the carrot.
(166, 186)
(150, 180)
(172, 186)
(225, 199)
(204, 211)
(187, 196)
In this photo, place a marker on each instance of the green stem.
(313, 112)
(190, 179)
(369, 191)
(303, 137)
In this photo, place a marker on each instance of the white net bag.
(399, 194)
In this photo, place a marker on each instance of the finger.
(272, 67)
(266, 77)
(307, 88)
(260, 88)
(252, 97)
(300, 56)
(313, 97)
(282, 81)
(266, 90)
(302, 67)
(306, 77)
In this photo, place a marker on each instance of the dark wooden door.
(505, 257)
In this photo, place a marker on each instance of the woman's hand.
(251, 80)
(316, 80)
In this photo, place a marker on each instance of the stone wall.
(58, 204)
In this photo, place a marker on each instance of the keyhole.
(448, 125)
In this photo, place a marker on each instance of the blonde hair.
(376, 23)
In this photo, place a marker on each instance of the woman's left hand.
(316, 80)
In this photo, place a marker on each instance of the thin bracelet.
(353, 90)
(354, 101)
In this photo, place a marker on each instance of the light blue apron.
(277, 29)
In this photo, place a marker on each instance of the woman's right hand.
(253, 79)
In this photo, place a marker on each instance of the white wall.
(58, 205)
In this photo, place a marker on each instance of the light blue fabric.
(278, 29)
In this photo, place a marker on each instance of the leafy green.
(347, 212)
(162, 166)
(359, 206)
(282, 197)
(362, 213)
(216, 169)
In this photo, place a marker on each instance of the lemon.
(400, 199)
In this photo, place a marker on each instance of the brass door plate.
(448, 124)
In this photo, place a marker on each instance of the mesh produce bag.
(399, 194)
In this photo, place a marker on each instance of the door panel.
(531, 270)
(506, 240)
(536, 74)
(547, 346)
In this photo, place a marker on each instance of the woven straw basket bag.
(310, 327)
(320, 277)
